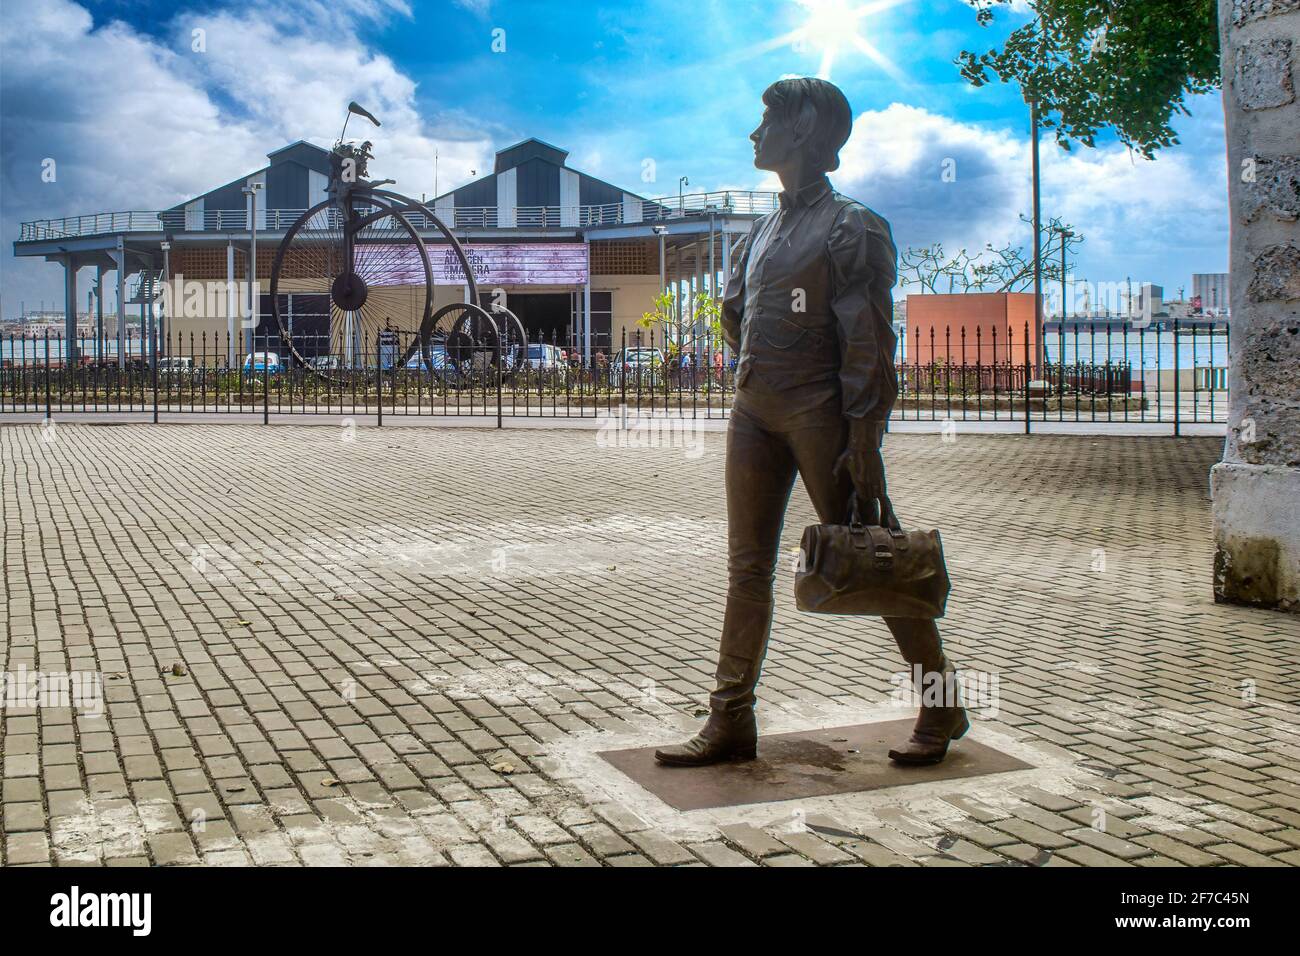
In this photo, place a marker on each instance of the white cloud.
(138, 123)
(1131, 210)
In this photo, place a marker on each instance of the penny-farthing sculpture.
(360, 251)
(468, 346)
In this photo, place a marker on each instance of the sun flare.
(836, 25)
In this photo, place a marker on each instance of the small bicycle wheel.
(514, 341)
(363, 273)
(460, 345)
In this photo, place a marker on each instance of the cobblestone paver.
(337, 646)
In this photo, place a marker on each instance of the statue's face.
(775, 145)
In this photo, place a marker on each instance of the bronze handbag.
(871, 569)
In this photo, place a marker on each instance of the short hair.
(808, 103)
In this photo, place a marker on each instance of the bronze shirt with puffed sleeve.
(810, 299)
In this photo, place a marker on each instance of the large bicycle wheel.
(354, 274)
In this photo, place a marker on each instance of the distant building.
(970, 328)
(1210, 293)
(1150, 302)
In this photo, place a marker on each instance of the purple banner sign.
(534, 263)
(537, 263)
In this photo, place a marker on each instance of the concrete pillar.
(676, 289)
(697, 326)
(147, 314)
(1256, 488)
(726, 274)
(70, 309)
(586, 310)
(713, 262)
(119, 258)
(232, 303)
(99, 313)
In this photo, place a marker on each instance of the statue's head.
(806, 122)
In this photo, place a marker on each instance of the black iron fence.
(1165, 372)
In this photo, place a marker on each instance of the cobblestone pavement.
(323, 645)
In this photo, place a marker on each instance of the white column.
(570, 197)
(119, 255)
(70, 307)
(586, 308)
(506, 198)
(232, 303)
(99, 313)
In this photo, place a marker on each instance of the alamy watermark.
(977, 691)
(650, 430)
(213, 299)
(83, 690)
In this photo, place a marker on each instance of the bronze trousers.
(772, 437)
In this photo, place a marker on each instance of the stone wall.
(1256, 487)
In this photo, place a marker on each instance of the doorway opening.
(546, 316)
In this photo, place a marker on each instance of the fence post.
(47, 375)
(379, 382)
(499, 372)
(266, 379)
(1178, 422)
(622, 372)
(154, 348)
(1028, 409)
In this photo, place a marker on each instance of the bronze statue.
(808, 309)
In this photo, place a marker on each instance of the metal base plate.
(807, 763)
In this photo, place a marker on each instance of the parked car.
(263, 362)
(434, 362)
(637, 364)
(326, 363)
(176, 367)
(542, 356)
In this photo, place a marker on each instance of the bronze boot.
(942, 718)
(727, 735)
(731, 732)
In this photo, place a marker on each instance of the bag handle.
(881, 515)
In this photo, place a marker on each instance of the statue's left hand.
(866, 469)
(862, 463)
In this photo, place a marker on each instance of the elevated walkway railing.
(727, 202)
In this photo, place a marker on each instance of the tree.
(704, 322)
(1005, 269)
(1126, 65)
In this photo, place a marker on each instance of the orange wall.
(990, 321)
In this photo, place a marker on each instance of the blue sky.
(137, 119)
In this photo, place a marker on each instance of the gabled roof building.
(578, 259)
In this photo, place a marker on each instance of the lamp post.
(681, 195)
